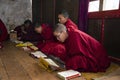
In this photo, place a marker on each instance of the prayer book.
(68, 74)
(38, 54)
(33, 47)
(18, 42)
(48, 64)
(26, 48)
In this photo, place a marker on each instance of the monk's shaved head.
(59, 28)
(63, 16)
(38, 27)
(64, 13)
(60, 32)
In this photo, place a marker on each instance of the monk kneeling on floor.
(48, 44)
(83, 53)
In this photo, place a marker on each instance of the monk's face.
(27, 25)
(61, 36)
(38, 29)
(62, 19)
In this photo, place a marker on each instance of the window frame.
(101, 6)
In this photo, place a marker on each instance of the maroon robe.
(3, 32)
(49, 45)
(31, 35)
(70, 25)
(19, 31)
(46, 35)
(84, 53)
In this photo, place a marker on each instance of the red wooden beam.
(105, 14)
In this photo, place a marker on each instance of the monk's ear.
(65, 32)
(55, 33)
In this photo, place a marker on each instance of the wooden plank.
(29, 66)
(20, 66)
(33, 69)
(3, 74)
(14, 70)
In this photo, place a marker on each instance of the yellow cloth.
(90, 76)
(44, 64)
(24, 44)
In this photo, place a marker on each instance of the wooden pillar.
(102, 30)
(101, 5)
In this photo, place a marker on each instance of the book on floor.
(68, 74)
(18, 42)
(34, 48)
(26, 48)
(48, 64)
(38, 54)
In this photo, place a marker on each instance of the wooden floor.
(15, 64)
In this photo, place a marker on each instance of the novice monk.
(26, 32)
(49, 45)
(64, 19)
(84, 53)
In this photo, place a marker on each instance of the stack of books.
(26, 45)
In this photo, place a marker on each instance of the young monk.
(63, 17)
(48, 44)
(84, 53)
(23, 29)
(26, 32)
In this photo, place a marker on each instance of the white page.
(51, 62)
(38, 54)
(68, 73)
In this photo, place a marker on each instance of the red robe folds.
(70, 25)
(49, 45)
(84, 53)
(19, 31)
(3, 32)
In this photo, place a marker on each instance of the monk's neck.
(67, 21)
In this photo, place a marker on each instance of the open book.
(18, 42)
(68, 74)
(38, 54)
(48, 64)
(33, 48)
